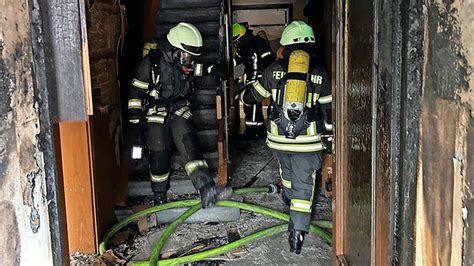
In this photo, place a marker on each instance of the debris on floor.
(254, 162)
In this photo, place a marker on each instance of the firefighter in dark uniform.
(300, 112)
(255, 54)
(159, 98)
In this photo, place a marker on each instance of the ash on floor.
(251, 159)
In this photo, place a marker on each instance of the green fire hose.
(195, 205)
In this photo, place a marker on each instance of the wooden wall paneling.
(106, 171)
(223, 172)
(78, 187)
(340, 182)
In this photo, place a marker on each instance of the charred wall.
(357, 116)
(425, 66)
(446, 122)
(25, 223)
(409, 172)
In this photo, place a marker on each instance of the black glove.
(211, 193)
(219, 70)
(240, 87)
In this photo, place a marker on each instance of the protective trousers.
(253, 115)
(160, 137)
(298, 175)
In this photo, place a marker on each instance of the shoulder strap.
(155, 57)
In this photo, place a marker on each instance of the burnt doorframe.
(43, 83)
(58, 61)
(398, 87)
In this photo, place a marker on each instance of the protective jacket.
(255, 53)
(159, 97)
(317, 111)
(159, 89)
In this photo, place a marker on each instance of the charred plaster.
(5, 110)
(22, 183)
(9, 242)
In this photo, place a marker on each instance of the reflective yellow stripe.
(312, 130)
(260, 89)
(155, 119)
(309, 100)
(163, 114)
(310, 147)
(140, 84)
(181, 110)
(134, 104)
(154, 94)
(151, 111)
(286, 183)
(299, 139)
(274, 94)
(192, 166)
(327, 125)
(273, 128)
(187, 114)
(159, 178)
(325, 99)
(265, 54)
(313, 176)
(301, 205)
(312, 135)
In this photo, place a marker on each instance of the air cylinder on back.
(295, 88)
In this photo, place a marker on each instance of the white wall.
(298, 5)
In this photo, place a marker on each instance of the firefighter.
(159, 98)
(300, 111)
(255, 54)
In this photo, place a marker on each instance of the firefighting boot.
(250, 133)
(296, 240)
(285, 199)
(159, 197)
(262, 132)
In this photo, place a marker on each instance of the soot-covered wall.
(24, 220)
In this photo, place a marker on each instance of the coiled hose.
(194, 206)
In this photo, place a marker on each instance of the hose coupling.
(272, 189)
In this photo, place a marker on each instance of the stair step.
(179, 184)
(204, 97)
(207, 28)
(208, 140)
(142, 171)
(205, 119)
(169, 4)
(215, 214)
(206, 81)
(189, 15)
(210, 44)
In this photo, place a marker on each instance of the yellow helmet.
(149, 46)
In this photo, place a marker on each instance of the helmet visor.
(185, 59)
(191, 49)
